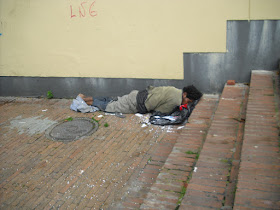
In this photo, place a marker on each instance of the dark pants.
(101, 102)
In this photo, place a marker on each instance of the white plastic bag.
(79, 105)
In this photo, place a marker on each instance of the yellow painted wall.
(116, 39)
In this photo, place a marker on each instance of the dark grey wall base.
(251, 46)
(69, 87)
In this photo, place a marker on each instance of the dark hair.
(192, 92)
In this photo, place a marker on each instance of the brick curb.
(259, 176)
(172, 180)
(210, 185)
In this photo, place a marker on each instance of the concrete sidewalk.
(94, 172)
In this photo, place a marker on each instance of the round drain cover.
(72, 130)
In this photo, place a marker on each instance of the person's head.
(190, 94)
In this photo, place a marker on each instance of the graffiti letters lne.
(83, 10)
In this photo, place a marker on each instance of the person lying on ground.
(161, 99)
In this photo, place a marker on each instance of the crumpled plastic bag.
(79, 105)
(177, 116)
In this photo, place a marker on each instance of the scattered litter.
(120, 115)
(100, 116)
(256, 147)
(144, 119)
(230, 99)
(109, 113)
(168, 129)
(44, 110)
(90, 185)
(138, 115)
(81, 171)
(180, 127)
(143, 125)
(195, 169)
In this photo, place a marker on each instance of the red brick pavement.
(39, 173)
(213, 179)
(161, 181)
(94, 172)
(127, 166)
(259, 177)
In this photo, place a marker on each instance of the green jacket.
(163, 99)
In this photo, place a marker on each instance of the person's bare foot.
(88, 100)
(82, 95)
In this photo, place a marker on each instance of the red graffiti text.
(83, 10)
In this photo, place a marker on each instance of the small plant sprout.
(191, 152)
(68, 119)
(95, 120)
(49, 94)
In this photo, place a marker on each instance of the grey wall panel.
(70, 87)
(251, 45)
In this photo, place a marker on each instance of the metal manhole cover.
(72, 130)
